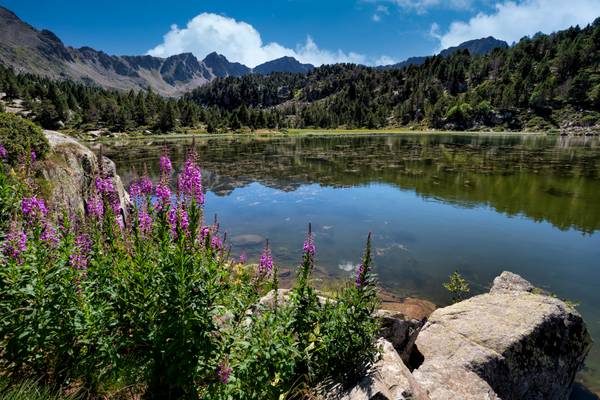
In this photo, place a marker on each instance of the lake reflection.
(435, 204)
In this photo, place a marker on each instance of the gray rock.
(70, 168)
(509, 282)
(388, 379)
(508, 344)
(399, 331)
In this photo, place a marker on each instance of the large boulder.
(71, 168)
(511, 343)
(388, 379)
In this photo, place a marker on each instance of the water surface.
(435, 204)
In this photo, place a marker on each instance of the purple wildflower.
(165, 165)
(49, 235)
(83, 246)
(106, 188)
(178, 218)
(190, 181)
(33, 156)
(146, 185)
(243, 258)
(204, 232)
(223, 372)
(95, 207)
(163, 194)
(3, 153)
(104, 185)
(145, 222)
(33, 208)
(216, 243)
(309, 245)
(265, 265)
(15, 244)
(360, 276)
(134, 189)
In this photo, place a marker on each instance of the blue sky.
(316, 31)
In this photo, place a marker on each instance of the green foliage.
(153, 302)
(19, 135)
(28, 390)
(458, 287)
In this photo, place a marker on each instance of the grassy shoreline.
(305, 132)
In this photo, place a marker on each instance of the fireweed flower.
(360, 271)
(33, 156)
(189, 182)
(15, 243)
(83, 246)
(33, 209)
(216, 243)
(145, 222)
(178, 218)
(106, 188)
(165, 165)
(49, 235)
(134, 189)
(3, 153)
(146, 185)
(223, 372)
(309, 245)
(163, 195)
(243, 258)
(95, 207)
(265, 265)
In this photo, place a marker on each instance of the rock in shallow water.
(508, 344)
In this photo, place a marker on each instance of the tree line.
(542, 82)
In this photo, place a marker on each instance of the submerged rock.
(508, 344)
(70, 168)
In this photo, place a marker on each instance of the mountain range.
(41, 52)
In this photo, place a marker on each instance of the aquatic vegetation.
(145, 296)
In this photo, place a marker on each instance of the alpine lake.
(436, 203)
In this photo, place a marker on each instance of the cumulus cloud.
(512, 20)
(241, 42)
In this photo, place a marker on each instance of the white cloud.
(380, 11)
(241, 42)
(385, 60)
(422, 6)
(512, 20)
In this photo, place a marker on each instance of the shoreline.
(298, 133)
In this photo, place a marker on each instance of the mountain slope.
(476, 47)
(283, 64)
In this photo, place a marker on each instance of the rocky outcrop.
(70, 169)
(511, 343)
(388, 379)
(400, 331)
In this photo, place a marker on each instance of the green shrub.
(19, 135)
(458, 287)
(154, 302)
